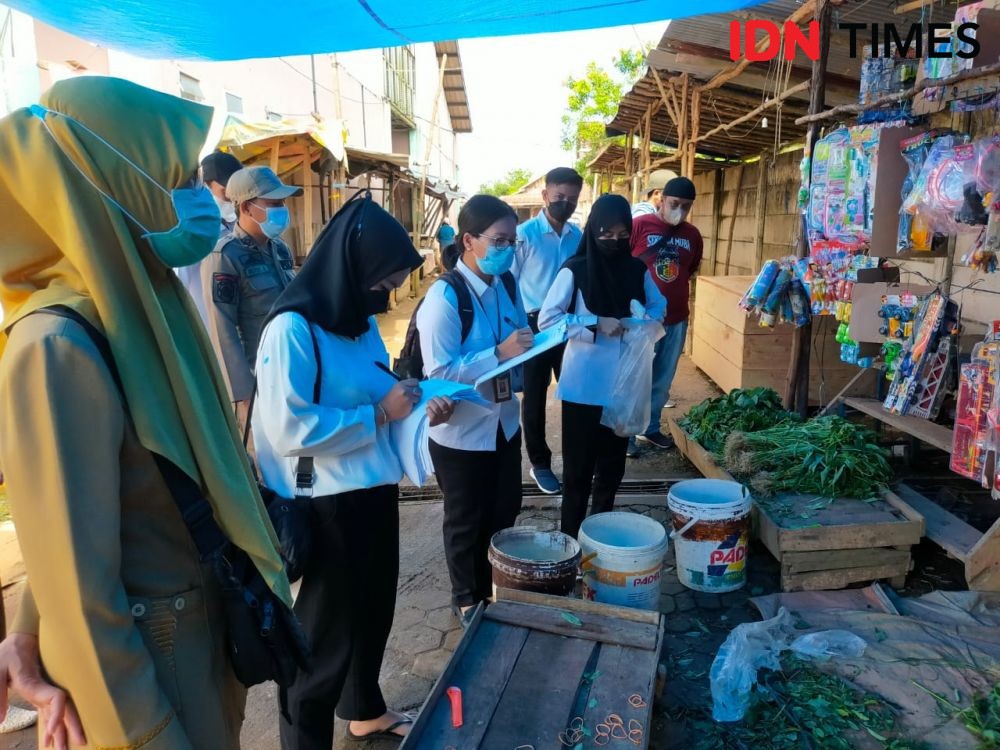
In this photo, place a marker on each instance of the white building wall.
(19, 81)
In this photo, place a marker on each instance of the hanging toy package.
(983, 255)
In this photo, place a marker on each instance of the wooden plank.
(550, 666)
(945, 529)
(823, 580)
(569, 604)
(834, 559)
(982, 567)
(624, 672)
(593, 628)
(936, 435)
(481, 668)
(906, 509)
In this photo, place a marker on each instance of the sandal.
(381, 734)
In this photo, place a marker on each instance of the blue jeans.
(666, 355)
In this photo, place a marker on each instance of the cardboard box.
(887, 196)
(867, 301)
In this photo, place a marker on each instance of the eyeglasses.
(502, 243)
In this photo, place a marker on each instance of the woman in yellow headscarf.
(96, 207)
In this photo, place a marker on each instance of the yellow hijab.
(64, 243)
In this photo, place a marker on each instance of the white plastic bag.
(628, 410)
(754, 645)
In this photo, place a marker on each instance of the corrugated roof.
(454, 87)
(699, 46)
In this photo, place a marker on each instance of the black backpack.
(410, 363)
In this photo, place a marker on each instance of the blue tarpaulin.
(217, 30)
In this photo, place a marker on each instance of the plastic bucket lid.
(709, 499)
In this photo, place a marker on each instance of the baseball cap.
(219, 167)
(657, 179)
(258, 182)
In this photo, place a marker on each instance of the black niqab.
(609, 277)
(361, 246)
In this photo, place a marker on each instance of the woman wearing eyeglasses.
(593, 293)
(477, 459)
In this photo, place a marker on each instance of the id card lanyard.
(503, 389)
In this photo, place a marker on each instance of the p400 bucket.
(623, 559)
(711, 524)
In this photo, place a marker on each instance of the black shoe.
(656, 439)
(633, 450)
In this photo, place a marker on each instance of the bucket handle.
(680, 532)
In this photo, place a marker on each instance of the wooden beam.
(760, 212)
(682, 135)
(695, 128)
(915, 5)
(717, 197)
(804, 86)
(732, 219)
(986, 71)
(805, 11)
(307, 206)
(797, 382)
(663, 96)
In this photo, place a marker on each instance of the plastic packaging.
(628, 410)
(756, 645)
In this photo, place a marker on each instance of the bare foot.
(381, 724)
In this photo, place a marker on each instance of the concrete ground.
(425, 633)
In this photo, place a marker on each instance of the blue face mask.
(275, 222)
(496, 261)
(197, 229)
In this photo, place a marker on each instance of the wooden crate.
(825, 546)
(735, 352)
(530, 664)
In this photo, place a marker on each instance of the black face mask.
(615, 247)
(377, 301)
(561, 210)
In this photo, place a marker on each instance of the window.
(191, 88)
(400, 74)
(274, 116)
(234, 104)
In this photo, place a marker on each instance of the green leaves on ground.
(713, 420)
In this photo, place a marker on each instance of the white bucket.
(623, 559)
(711, 521)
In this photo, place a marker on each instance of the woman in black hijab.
(325, 400)
(593, 294)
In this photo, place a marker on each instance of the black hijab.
(361, 246)
(604, 270)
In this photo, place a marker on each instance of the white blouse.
(590, 363)
(349, 451)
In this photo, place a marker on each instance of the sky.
(517, 97)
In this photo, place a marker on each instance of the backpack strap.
(190, 500)
(466, 314)
(510, 284)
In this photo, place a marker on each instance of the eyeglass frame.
(516, 244)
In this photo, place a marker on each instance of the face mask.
(376, 301)
(227, 209)
(275, 221)
(197, 229)
(617, 246)
(675, 216)
(561, 210)
(496, 261)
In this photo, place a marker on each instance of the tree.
(593, 101)
(509, 184)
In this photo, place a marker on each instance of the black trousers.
(593, 458)
(346, 605)
(482, 495)
(538, 373)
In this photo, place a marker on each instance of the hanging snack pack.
(886, 75)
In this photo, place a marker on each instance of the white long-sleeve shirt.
(590, 362)
(447, 357)
(538, 261)
(349, 451)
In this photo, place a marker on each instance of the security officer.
(246, 273)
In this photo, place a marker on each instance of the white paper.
(550, 338)
(410, 436)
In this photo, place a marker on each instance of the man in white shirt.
(546, 242)
(653, 191)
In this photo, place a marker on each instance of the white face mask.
(675, 216)
(227, 209)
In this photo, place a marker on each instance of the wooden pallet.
(527, 670)
(825, 546)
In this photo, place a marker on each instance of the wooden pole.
(418, 218)
(695, 128)
(717, 196)
(667, 104)
(760, 213)
(797, 383)
(803, 86)
(732, 218)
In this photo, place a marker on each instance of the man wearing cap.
(653, 191)
(216, 169)
(246, 273)
(671, 248)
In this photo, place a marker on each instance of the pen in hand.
(387, 371)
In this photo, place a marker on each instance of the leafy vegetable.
(711, 421)
(982, 718)
(828, 457)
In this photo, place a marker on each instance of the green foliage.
(593, 101)
(828, 457)
(711, 421)
(509, 184)
(982, 718)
